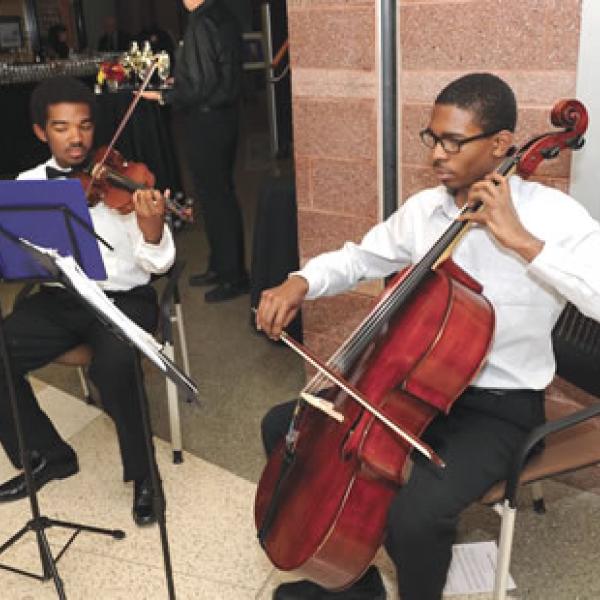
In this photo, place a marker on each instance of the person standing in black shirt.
(208, 82)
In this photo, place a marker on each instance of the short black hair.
(490, 98)
(56, 90)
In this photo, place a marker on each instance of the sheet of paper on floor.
(472, 569)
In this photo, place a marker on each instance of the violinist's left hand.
(149, 206)
(499, 215)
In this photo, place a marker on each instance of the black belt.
(500, 391)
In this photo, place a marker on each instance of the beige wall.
(335, 103)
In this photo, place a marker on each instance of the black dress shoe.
(143, 502)
(201, 279)
(227, 291)
(43, 470)
(368, 587)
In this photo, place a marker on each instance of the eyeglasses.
(451, 145)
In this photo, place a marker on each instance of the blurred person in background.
(57, 42)
(207, 87)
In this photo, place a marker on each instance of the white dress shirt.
(527, 297)
(133, 259)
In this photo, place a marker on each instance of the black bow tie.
(52, 173)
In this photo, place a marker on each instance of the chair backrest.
(566, 450)
(576, 342)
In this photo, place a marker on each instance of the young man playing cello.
(532, 249)
(52, 321)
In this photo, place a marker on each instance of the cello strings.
(354, 345)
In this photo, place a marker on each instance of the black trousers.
(477, 440)
(44, 326)
(211, 143)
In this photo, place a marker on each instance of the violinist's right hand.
(150, 95)
(279, 305)
(149, 206)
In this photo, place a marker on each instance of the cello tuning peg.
(576, 143)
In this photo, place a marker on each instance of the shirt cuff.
(157, 258)
(315, 285)
(548, 261)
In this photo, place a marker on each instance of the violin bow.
(137, 97)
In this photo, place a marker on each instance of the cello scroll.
(570, 114)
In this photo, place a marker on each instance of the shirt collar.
(444, 203)
(447, 206)
(51, 162)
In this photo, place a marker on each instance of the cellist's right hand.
(279, 305)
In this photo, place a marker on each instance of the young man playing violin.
(48, 323)
(532, 248)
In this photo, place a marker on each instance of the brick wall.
(335, 87)
(535, 50)
(533, 46)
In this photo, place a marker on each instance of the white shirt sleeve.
(573, 272)
(568, 261)
(155, 258)
(133, 260)
(384, 250)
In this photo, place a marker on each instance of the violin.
(323, 498)
(111, 179)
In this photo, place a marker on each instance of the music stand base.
(38, 526)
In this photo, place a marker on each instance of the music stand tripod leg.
(158, 493)
(37, 523)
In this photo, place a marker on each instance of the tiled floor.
(209, 520)
(212, 538)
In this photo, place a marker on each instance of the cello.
(322, 501)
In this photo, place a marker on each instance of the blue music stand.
(53, 214)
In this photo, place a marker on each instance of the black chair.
(568, 441)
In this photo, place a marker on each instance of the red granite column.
(333, 54)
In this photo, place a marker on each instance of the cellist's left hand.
(149, 206)
(499, 215)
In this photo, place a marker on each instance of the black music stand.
(52, 266)
(16, 265)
